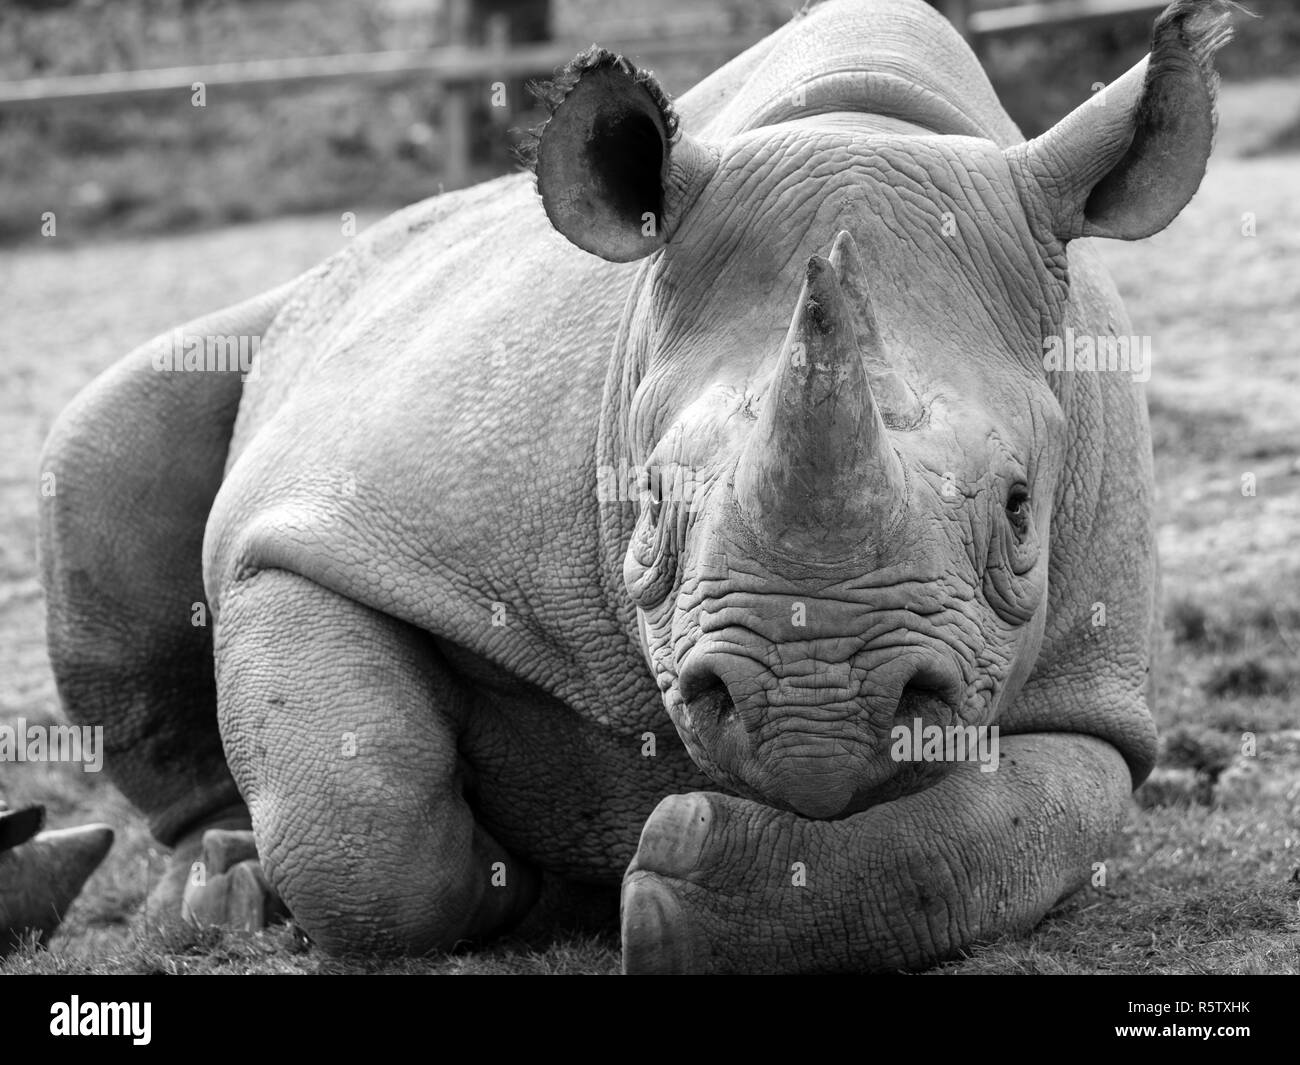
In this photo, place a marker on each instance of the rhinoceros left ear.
(614, 173)
(1126, 162)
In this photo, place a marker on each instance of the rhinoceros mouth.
(720, 743)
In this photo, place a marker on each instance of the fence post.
(498, 40)
(957, 12)
(456, 103)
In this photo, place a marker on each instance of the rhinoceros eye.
(651, 563)
(1018, 509)
(650, 488)
(1009, 581)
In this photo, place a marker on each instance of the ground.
(1206, 875)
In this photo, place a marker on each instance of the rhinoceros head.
(836, 386)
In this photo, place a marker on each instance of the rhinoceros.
(606, 524)
(42, 872)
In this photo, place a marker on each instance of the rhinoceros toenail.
(246, 907)
(223, 849)
(206, 898)
(654, 931)
(673, 837)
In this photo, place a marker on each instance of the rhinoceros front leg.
(722, 884)
(340, 726)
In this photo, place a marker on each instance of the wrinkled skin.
(431, 702)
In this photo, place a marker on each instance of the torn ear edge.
(1126, 162)
(553, 92)
(1184, 41)
(614, 157)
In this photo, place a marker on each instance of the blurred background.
(125, 211)
(335, 103)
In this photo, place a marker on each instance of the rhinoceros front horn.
(819, 469)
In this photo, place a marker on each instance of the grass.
(285, 951)
(1206, 875)
(1190, 890)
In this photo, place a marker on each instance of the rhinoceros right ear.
(1126, 162)
(614, 173)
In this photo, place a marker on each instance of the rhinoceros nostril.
(704, 693)
(712, 704)
(695, 678)
(930, 697)
(918, 700)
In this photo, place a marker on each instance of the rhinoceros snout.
(813, 738)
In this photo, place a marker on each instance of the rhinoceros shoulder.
(416, 442)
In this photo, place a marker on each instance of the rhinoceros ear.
(1127, 161)
(614, 173)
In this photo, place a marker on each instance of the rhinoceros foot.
(40, 877)
(658, 936)
(227, 887)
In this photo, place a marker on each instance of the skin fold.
(466, 649)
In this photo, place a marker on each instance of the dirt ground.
(1205, 878)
